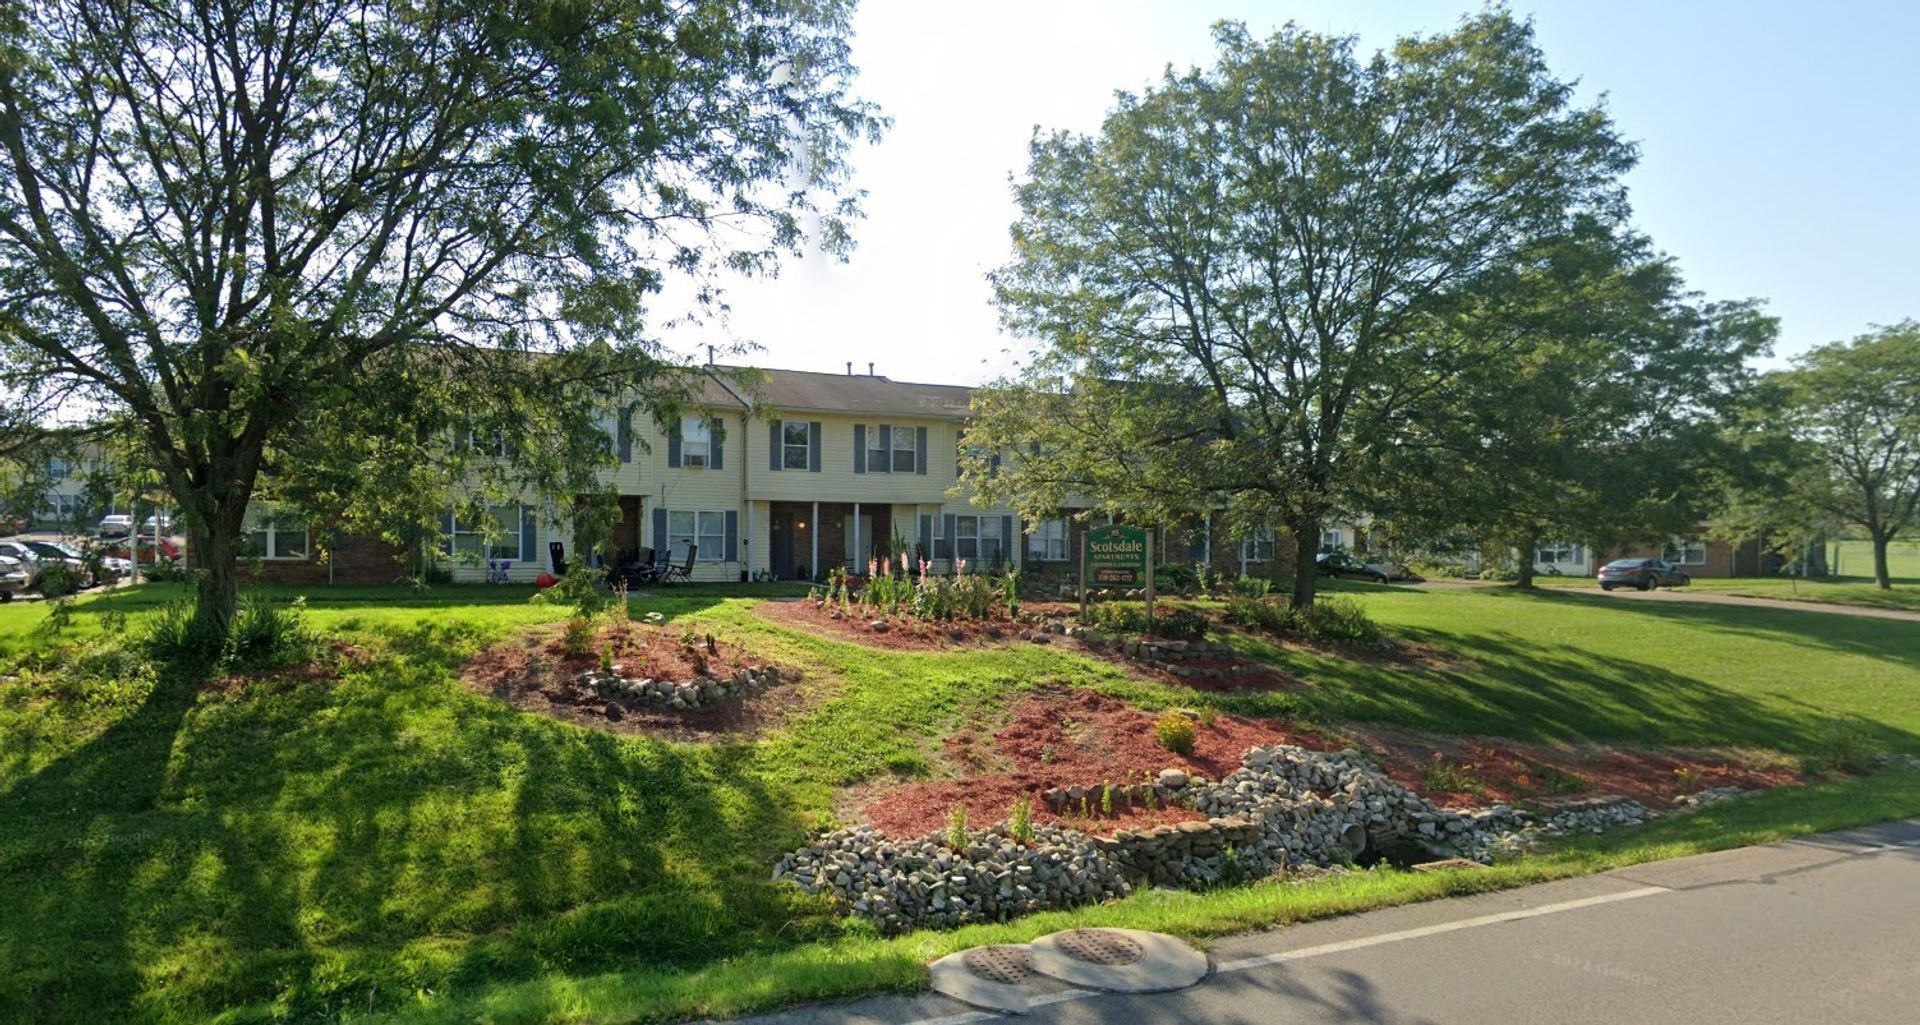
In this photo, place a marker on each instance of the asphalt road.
(1820, 930)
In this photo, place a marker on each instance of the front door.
(784, 527)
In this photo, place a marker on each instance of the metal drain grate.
(1010, 963)
(1099, 946)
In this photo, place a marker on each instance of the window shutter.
(920, 451)
(673, 445)
(716, 444)
(947, 535)
(886, 450)
(732, 554)
(926, 535)
(1197, 543)
(776, 446)
(446, 532)
(993, 463)
(1006, 540)
(813, 447)
(623, 434)
(859, 448)
(526, 533)
(660, 533)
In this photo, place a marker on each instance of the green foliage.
(1175, 732)
(57, 580)
(1106, 798)
(1118, 617)
(576, 638)
(1020, 821)
(267, 636)
(1440, 775)
(1180, 623)
(606, 658)
(582, 587)
(1251, 587)
(1175, 578)
(1267, 615)
(957, 827)
(1010, 592)
(1337, 620)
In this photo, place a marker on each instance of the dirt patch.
(1068, 738)
(1459, 771)
(902, 633)
(537, 674)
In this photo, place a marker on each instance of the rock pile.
(909, 884)
(1597, 816)
(700, 692)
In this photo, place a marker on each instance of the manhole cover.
(1099, 946)
(1008, 963)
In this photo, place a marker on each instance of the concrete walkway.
(1822, 929)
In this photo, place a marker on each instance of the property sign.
(1117, 555)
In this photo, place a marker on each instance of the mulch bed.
(537, 674)
(903, 633)
(1066, 738)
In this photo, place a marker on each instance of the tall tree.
(1849, 416)
(235, 222)
(1246, 262)
(1595, 415)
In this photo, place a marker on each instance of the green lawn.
(1851, 584)
(393, 843)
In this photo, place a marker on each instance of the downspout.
(746, 468)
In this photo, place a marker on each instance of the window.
(1258, 546)
(1686, 552)
(1332, 540)
(269, 535)
(498, 540)
(795, 441)
(609, 423)
(696, 441)
(977, 539)
(903, 452)
(1559, 553)
(1048, 542)
(706, 530)
(879, 460)
(59, 469)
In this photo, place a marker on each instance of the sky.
(1779, 147)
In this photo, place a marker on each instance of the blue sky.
(1778, 141)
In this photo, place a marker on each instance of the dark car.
(1643, 574)
(1340, 564)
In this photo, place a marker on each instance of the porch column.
(813, 538)
(853, 539)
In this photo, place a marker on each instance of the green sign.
(1117, 556)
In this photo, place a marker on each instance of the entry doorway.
(790, 541)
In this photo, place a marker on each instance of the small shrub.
(1252, 587)
(1179, 623)
(1205, 577)
(1020, 822)
(576, 638)
(59, 616)
(57, 580)
(1119, 617)
(169, 631)
(1106, 798)
(1175, 578)
(1442, 776)
(1548, 780)
(1266, 615)
(606, 658)
(957, 827)
(1337, 621)
(266, 636)
(1010, 592)
(1176, 733)
(162, 571)
(113, 622)
(582, 587)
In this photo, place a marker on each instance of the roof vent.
(869, 369)
(849, 368)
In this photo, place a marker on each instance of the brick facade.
(355, 560)
(1723, 559)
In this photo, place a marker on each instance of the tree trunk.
(1306, 545)
(1528, 546)
(1881, 578)
(217, 591)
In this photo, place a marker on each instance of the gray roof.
(807, 391)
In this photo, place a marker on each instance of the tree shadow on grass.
(1520, 688)
(330, 846)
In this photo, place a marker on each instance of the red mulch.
(1499, 771)
(903, 633)
(537, 674)
(1067, 738)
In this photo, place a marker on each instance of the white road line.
(1323, 949)
(1302, 953)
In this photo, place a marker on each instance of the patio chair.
(683, 572)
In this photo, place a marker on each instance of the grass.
(394, 845)
(1851, 563)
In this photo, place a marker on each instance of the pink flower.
(960, 567)
(873, 568)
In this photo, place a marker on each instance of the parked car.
(163, 524)
(1395, 571)
(1643, 574)
(116, 525)
(13, 577)
(108, 567)
(1340, 564)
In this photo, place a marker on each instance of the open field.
(393, 843)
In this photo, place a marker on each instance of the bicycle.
(497, 571)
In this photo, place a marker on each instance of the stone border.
(699, 692)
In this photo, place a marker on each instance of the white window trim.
(698, 534)
(487, 554)
(1677, 551)
(695, 431)
(910, 448)
(1560, 553)
(1048, 541)
(787, 445)
(1251, 545)
(273, 531)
